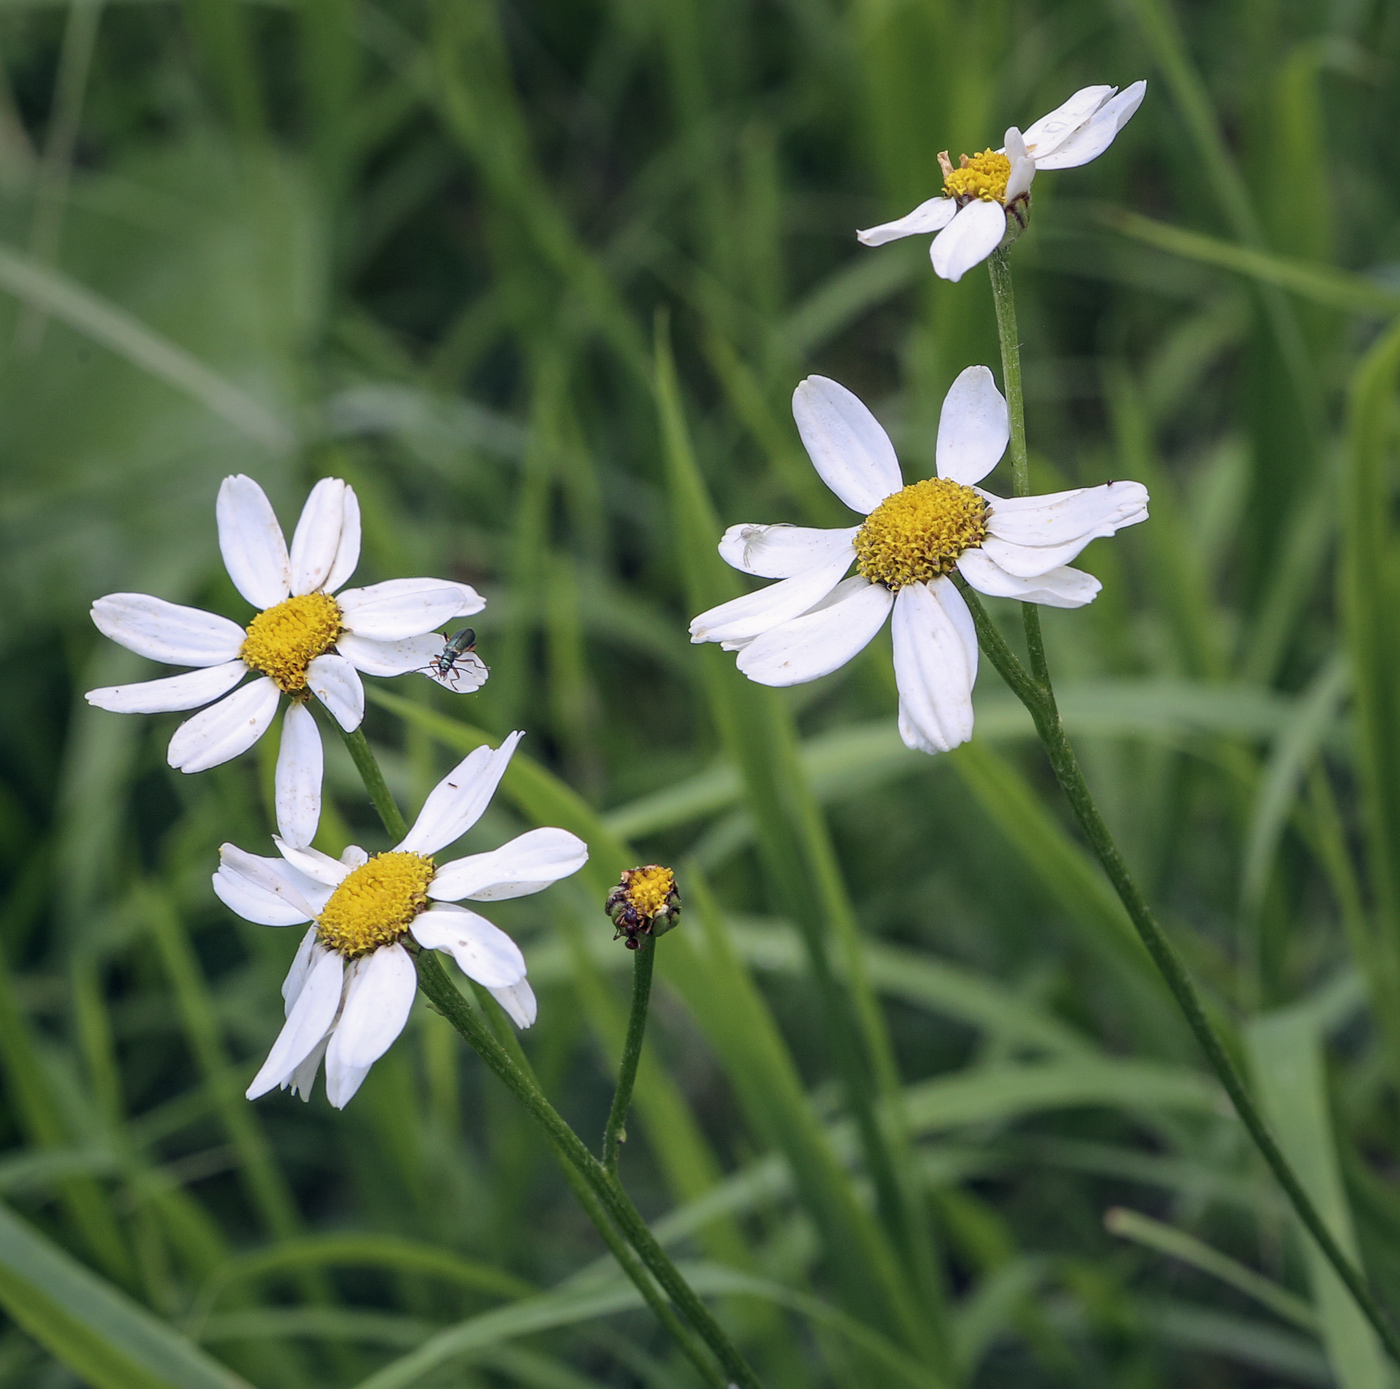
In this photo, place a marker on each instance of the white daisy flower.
(985, 200)
(351, 985)
(303, 642)
(913, 537)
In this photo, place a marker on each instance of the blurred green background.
(539, 278)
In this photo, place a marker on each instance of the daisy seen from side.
(986, 200)
(310, 637)
(912, 540)
(351, 986)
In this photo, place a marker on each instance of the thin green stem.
(368, 768)
(615, 1134)
(610, 1204)
(1041, 705)
(1004, 299)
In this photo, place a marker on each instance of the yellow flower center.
(918, 534)
(648, 888)
(983, 176)
(284, 640)
(376, 904)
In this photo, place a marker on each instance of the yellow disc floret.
(983, 176)
(282, 641)
(650, 887)
(918, 534)
(376, 904)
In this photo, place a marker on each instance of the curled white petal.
(390, 657)
(304, 1076)
(316, 541)
(1019, 180)
(930, 216)
(347, 552)
(1062, 587)
(932, 667)
(312, 863)
(378, 999)
(818, 642)
(279, 881)
(403, 607)
(846, 443)
(1028, 536)
(255, 903)
(307, 1024)
(528, 863)
(224, 729)
(518, 1000)
(742, 618)
(1047, 134)
(250, 540)
(186, 691)
(297, 782)
(782, 551)
(307, 954)
(167, 632)
(456, 803)
(334, 681)
(483, 952)
(973, 428)
(1097, 133)
(968, 239)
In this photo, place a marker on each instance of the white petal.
(1015, 147)
(519, 1002)
(312, 863)
(378, 999)
(304, 1077)
(347, 553)
(1052, 130)
(818, 642)
(402, 607)
(297, 781)
(279, 881)
(483, 952)
(931, 216)
(307, 1023)
(471, 601)
(973, 428)
(1059, 588)
(333, 680)
(1028, 536)
(968, 239)
(528, 863)
(754, 613)
(176, 692)
(456, 803)
(1020, 178)
(250, 540)
(931, 668)
(255, 903)
(316, 542)
(224, 729)
(846, 444)
(389, 657)
(468, 672)
(352, 856)
(781, 551)
(1098, 133)
(167, 632)
(308, 953)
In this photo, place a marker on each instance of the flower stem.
(368, 768)
(615, 1135)
(609, 1204)
(1040, 701)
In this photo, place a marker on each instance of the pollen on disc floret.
(983, 176)
(918, 533)
(283, 640)
(376, 904)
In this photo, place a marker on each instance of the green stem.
(474, 1029)
(1040, 701)
(368, 768)
(615, 1135)
(1004, 298)
(610, 1204)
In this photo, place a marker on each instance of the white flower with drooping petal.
(303, 641)
(816, 619)
(985, 200)
(351, 985)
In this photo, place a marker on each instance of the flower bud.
(644, 903)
